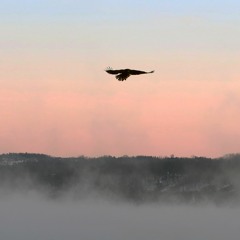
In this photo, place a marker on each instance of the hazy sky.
(55, 97)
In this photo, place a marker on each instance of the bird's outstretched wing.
(111, 71)
(137, 72)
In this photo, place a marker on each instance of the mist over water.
(46, 198)
(27, 216)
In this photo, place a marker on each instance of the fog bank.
(31, 216)
(126, 198)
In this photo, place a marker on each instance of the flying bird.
(123, 74)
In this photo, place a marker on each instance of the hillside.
(138, 179)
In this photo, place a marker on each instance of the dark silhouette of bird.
(123, 74)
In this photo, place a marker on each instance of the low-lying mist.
(32, 216)
(128, 198)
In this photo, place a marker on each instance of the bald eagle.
(123, 74)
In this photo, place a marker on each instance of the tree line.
(135, 178)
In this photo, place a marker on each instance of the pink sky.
(55, 97)
(144, 115)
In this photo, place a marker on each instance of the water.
(31, 216)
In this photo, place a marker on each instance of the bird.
(123, 74)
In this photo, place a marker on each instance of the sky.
(56, 98)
